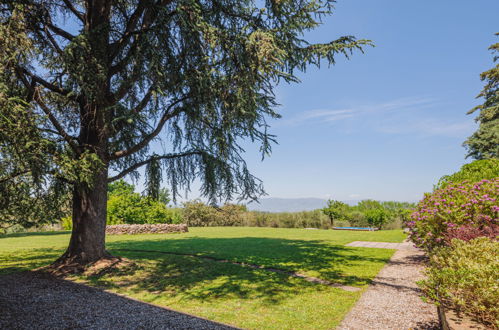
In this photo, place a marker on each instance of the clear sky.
(389, 123)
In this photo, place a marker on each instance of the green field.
(224, 292)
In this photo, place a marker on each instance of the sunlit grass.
(223, 292)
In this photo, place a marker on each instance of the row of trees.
(125, 206)
(368, 212)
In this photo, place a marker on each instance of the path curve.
(393, 299)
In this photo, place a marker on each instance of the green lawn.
(244, 297)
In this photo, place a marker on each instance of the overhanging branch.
(166, 116)
(151, 159)
(59, 31)
(73, 9)
(68, 138)
(13, 176)
(44, 83)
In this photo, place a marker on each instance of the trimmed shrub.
(472, 204)
(473, 172)
(465, 276)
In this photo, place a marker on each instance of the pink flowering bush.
(469, 232)
(457, 204)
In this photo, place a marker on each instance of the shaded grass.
(244, 297)
(248, 298)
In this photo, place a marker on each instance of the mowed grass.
(224, 292)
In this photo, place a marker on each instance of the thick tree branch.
(145, 100)
(54, 43)
(151, 159)
(138, 108)
(44, 83)
(73, 9)
(68, 138)
(166, 116)
(149, 15)
(13, 176)
(130, 26)
(59, 31)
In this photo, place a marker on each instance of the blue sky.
(388, 123)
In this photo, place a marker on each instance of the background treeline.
(196, 213)
(125, 206)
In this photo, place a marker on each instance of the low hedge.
(465, 277)
(161, 228)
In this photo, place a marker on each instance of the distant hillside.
(273, 204)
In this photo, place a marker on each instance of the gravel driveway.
(31, 300)
(393, 300)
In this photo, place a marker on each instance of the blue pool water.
(355, 228)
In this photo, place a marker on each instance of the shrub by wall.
(146, 229)
(465, 276)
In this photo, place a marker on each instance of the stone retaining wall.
(161, 228)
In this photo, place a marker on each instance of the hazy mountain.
(273, 204)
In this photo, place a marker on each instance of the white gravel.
(393, 300)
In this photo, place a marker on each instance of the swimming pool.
(356, 228)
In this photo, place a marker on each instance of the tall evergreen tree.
(88, 85)
(484, 143)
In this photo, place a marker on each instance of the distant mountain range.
(273, 204)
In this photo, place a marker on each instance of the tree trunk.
(87, 242)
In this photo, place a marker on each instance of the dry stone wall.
(161, 228)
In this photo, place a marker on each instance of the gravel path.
(384, 245)
(393, 301)
(32, 300)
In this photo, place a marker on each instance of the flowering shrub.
(463, 203)
(464, 276)
(468, 232)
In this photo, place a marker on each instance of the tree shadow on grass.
(161, 275)
(190, 278)
(40, 233)
(195, 278)
(326, 260)
(26, 259)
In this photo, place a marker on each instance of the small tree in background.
(484, 143)
(335, 210)
(377, 217)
